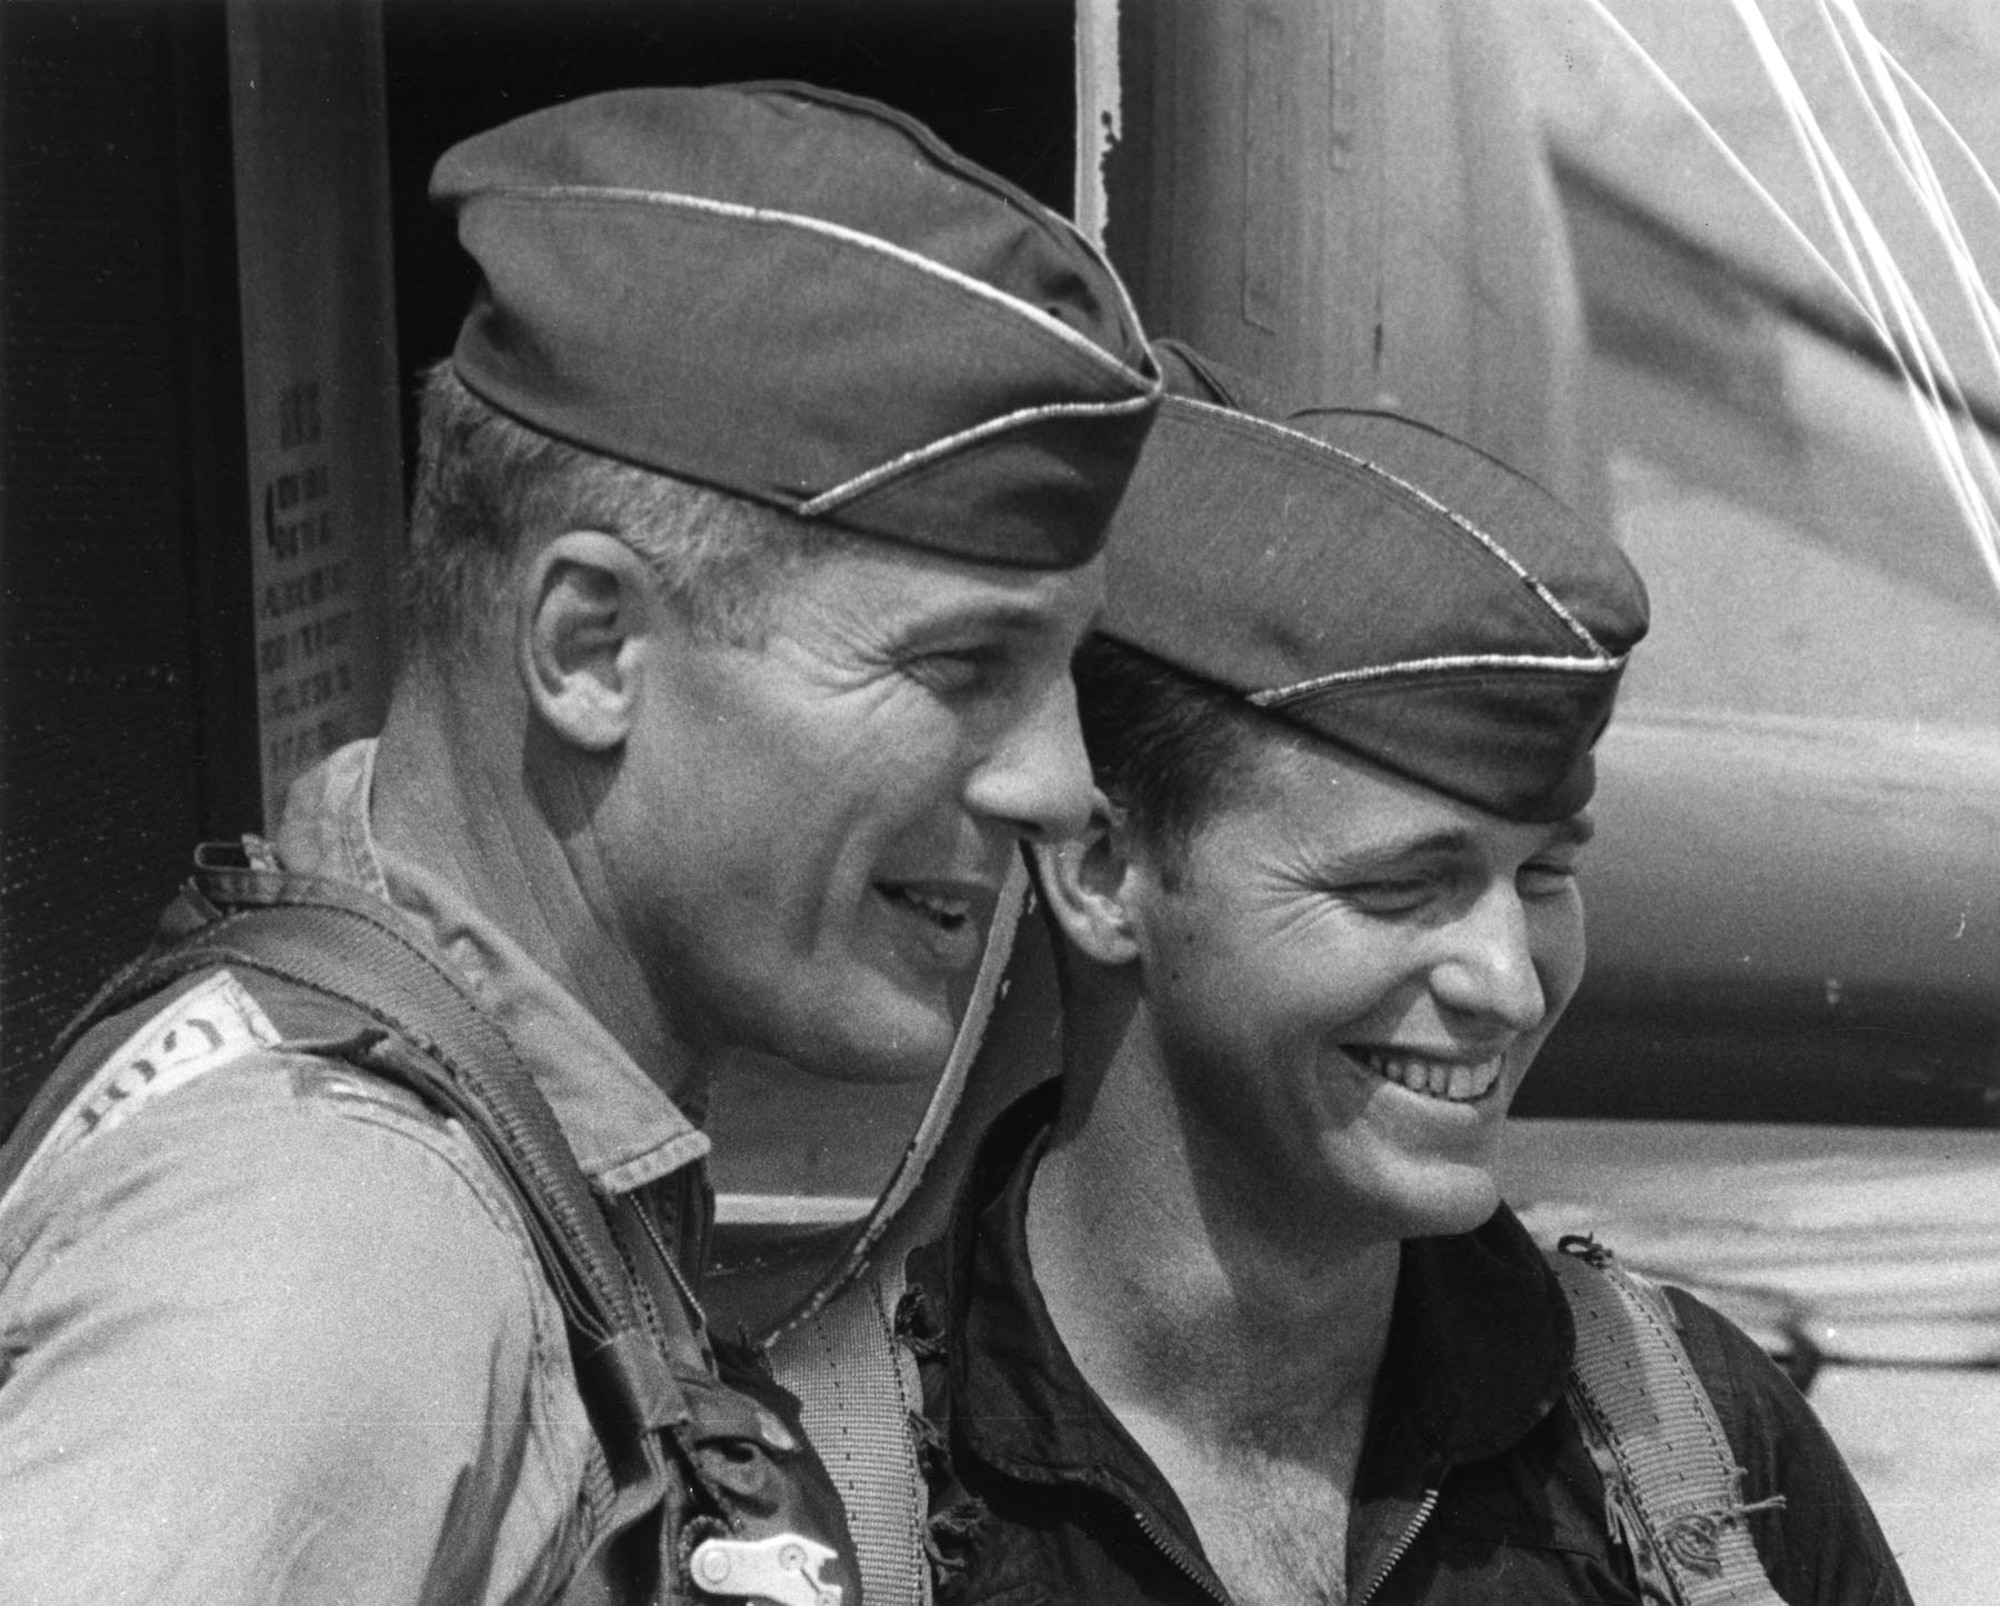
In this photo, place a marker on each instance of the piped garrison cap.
(805, 299)
(1384, 587)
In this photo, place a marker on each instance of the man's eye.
(1392, 897)
(1547, 878)
(958, 671)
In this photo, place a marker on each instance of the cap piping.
(827, 501)
(968, 172)
(869, 242)
(1278, 696)
(1548, 598)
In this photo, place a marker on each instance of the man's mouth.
(1451, 1080)
(942, 920)
(943, 909)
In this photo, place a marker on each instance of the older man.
(754, 530)
(1233, 1311)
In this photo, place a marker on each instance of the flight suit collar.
(623, 1128)
(1479, 1347)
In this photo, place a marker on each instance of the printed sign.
(319, 361)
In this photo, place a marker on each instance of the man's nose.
(1036, 776)
(1487, 966)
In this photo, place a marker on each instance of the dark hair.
(488, 486)
(1168, 749)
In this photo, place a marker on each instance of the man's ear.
(588, 603)
(1088, 881)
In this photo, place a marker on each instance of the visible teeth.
(1458, 1084)
(938, 907)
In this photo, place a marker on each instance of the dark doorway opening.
(994, 78)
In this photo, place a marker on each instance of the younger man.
(1234, 1312)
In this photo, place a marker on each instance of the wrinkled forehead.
(914, 596)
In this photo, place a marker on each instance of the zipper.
(659, 1242)
(1399, 1549)
(1176, 1553)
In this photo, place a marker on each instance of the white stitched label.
(203, 1030)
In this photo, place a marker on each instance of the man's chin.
(1420, 1199)
(901, 1042)
(1461, 1204)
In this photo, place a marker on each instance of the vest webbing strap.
(857, 1387)
(415, 1026)
(858, 1391)
(1673, 1490)
(1671, 1480)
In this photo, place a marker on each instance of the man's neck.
(1178, 1297)
(1238, 1347)
(451, 795)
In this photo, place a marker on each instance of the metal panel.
(1345, 199)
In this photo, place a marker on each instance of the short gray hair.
(488, 488)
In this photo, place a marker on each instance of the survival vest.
(714, 1493)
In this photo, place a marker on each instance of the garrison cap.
(805, 299)
(1384, 587)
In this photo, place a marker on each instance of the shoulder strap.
(345, 947)
(1671, 1481)
(711, 1489)
(861, 1401)
(414, 1025)
(1673, 1492)
(674, 1429)
(859, 1394)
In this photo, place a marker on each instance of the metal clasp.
(780, 1571)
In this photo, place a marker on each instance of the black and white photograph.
(999, 802)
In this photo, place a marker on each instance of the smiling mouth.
(940, 925)
(1452, 1081)
(947, 913)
